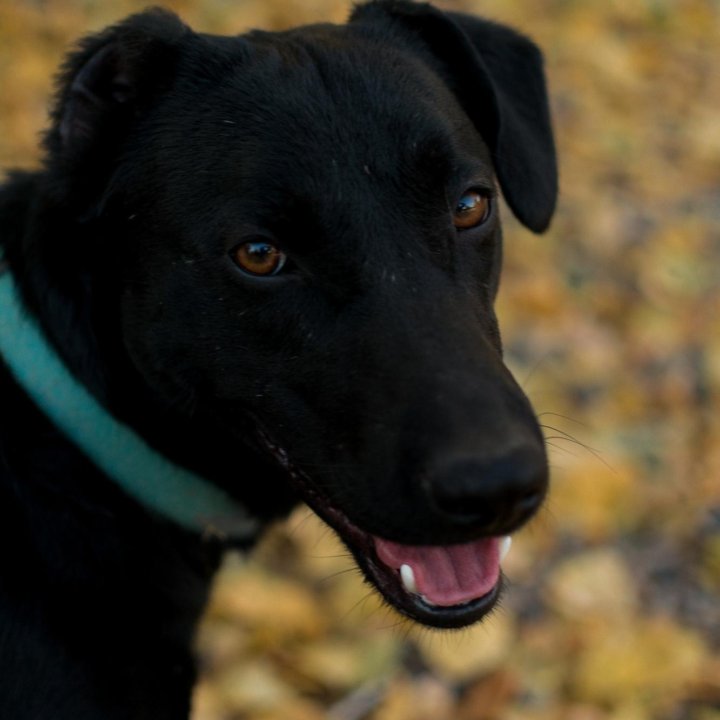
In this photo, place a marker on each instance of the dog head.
(299, 231)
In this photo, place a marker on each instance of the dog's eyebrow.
(442, 157)
(478, 175)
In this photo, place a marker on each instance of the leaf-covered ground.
(612, 324)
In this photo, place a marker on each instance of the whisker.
(558, 447)
(345, 571)
(354, 607)
(564, 417)
(528, 377)
(297, 525)
(565, 436)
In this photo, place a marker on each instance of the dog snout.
(494, 493)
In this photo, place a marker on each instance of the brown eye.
(472, 209)
(259, 258)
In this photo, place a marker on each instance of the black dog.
(257, 270)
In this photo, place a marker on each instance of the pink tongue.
(447, 575)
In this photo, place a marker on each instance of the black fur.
(366, 379)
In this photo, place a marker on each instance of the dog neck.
(154, 481)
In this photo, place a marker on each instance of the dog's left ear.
(104, 88)
(497, 75)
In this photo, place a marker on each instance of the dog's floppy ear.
(497, 75)
(107, 82)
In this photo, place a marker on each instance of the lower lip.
(451, 617)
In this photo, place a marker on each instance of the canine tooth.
(408, 578)
(505, 544)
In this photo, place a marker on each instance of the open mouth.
(443, 586)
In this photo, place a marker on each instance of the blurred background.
(612, 326)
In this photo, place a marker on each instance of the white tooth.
(505, 544)
(408, 578)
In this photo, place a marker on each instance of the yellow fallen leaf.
(420, 698)
(594, 499)
(650, 661)
(471, 652)
(591, 584)
(266, 603)
(252, 688)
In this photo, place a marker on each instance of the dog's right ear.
(497, 75)
(105, 85)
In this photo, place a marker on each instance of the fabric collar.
(150, 478)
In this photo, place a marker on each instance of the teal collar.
(155, 482)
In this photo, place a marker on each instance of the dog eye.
(259, 258)
(473, 209)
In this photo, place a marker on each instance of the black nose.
(496, 494)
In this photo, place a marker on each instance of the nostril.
(497, 494)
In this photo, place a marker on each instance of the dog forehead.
(322, 93)
(336, 67)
